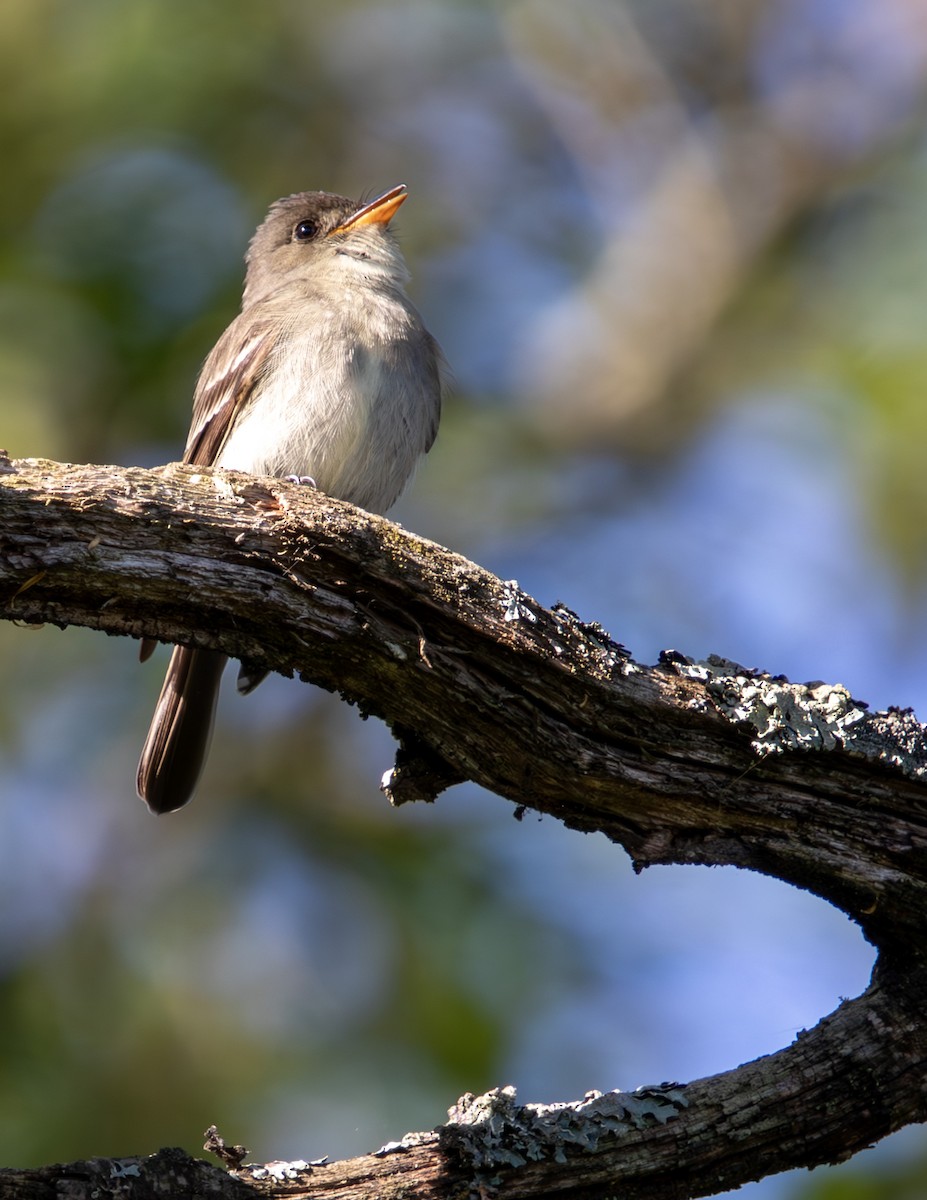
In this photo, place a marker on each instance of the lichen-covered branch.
(681, 762)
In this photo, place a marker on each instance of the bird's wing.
(227, 382)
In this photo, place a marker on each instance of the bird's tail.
(181, 728)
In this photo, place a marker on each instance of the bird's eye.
(305, 231)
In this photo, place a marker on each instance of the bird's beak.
(378, 212)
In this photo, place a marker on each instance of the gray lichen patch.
(517, 605)
(493, 1131)
(789, 716)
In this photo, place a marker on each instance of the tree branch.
(680, 763)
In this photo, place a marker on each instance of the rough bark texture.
(680, 763)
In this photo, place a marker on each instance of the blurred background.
(676, 253)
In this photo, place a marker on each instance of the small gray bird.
(327, 373)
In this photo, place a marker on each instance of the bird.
(327, 375)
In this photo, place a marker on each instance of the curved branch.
(680, 763)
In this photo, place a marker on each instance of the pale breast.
(351, 403)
